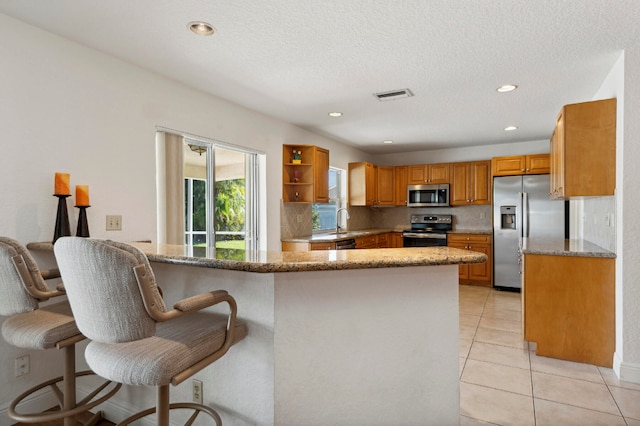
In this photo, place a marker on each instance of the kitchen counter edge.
(564, 247)
(332, 237)
(321, 260)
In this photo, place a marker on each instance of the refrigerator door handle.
(519, 217)
(525, 214)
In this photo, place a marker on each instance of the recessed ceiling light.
(335, 114)
(510, 128)
(507, 88)
(201, 28)
(387, 141)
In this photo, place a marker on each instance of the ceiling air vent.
(393, 94)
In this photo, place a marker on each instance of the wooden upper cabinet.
(401, 182)
(305, 180)
(428, 173)
(362, 182)
(321, 175)
(508, 166)
(583, 150)
(385, 188)
(371, 185)
(556, 180)
(470, 183)
(537, 164)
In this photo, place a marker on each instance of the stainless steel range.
(427, 230)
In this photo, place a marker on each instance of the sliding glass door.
(221, 200)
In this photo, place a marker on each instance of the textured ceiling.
(297, 60)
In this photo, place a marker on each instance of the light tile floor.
(503, 382)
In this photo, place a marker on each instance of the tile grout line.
(615, 401)
(533, 395)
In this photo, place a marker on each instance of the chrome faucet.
(338, 218)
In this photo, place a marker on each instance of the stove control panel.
(441, 218)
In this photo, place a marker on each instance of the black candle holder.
(62, 228)
(83, 225)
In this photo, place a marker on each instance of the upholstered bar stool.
(135, 339)
(29, 326)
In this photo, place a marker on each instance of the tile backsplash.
(295, 219)
(470, 218)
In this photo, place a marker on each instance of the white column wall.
(628, 206)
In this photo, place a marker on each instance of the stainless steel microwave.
(428, 195)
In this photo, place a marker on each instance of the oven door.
(423, 239)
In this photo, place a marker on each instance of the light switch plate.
(114, 222)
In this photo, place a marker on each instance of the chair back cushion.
(14, 298)
(102, 288)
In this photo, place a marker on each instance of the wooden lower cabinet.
(397, 240)
(304, 246)
(322, 246)
(384, 240)
(474, 274)
(370, 241)
(569, 307)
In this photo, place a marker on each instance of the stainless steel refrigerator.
(521, 209)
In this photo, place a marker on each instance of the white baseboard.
(629, 372)
(37, 403)
(114, 410)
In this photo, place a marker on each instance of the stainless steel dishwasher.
(346, 244)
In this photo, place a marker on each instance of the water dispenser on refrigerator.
(508, 217)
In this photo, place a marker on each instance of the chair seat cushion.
(153, 361)
(42, 328)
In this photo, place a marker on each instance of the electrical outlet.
(197, 391)
(114, 222)
(482, 215)
(299, 218)
(22, 365)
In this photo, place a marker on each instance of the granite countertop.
(561, 247)
(471, 231)
(327, 237)
(321, 260)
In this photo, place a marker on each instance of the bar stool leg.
(162, 405)
(69, 382)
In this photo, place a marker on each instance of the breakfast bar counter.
(335, 337)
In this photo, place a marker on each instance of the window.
(324, 214)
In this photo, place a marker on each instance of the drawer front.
(323, 246)
(469, 238)
(367, 242)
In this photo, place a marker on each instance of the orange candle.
(61, 186)
(82, 195)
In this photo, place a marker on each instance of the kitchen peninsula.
(569, 300)
(335, 337)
